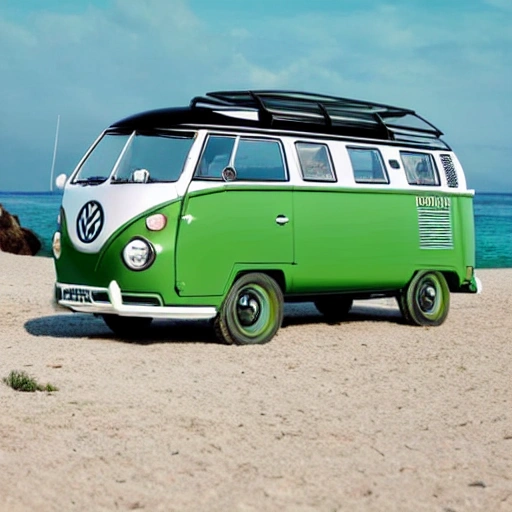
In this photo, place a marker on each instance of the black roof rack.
(327, 114)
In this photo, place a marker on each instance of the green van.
(243, 200)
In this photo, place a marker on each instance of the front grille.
(449, 170)
(435, 227)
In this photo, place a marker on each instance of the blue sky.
(95, 61)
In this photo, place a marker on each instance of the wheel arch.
(276, 274)
(452, 279)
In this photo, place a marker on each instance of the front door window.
(252, 159)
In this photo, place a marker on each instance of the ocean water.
(493, 230)
(37, 212)
(493, 223)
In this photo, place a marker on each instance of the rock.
(33, 242)
(14, 238)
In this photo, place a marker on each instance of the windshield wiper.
(93, 180)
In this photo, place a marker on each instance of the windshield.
(136, 158)
(100, 162)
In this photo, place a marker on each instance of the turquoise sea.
(493, 223)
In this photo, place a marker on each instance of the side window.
(216, 156)
(367, 165)
(315, 161)
(419, 168)
(259, 160)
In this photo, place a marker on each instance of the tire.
(426, 299)
(334, 309)
(252, 311)
(127, 326)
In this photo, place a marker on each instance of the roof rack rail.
(329, 114)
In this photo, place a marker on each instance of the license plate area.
(77, 294)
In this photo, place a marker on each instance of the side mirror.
(140, 176)
(60, 181)
(229, 174)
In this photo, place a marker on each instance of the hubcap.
(248, 308)
(427, 297)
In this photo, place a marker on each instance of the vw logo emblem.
(89, 222)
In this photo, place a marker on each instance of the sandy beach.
(366, 415)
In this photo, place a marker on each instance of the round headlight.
(138, 254)
(56, 247)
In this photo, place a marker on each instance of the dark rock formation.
(14, 238)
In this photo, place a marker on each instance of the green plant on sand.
(21, 381)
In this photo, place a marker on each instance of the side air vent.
(435, 227)
(449, 170)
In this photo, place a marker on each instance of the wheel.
(252, 311)
(426, 299)
(334, 308)
(127, 326)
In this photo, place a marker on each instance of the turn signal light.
(156, 222)
(56, 247)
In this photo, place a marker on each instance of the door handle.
(282, 220)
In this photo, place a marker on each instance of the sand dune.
(367, 415)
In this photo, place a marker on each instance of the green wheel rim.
(253, 311)
(429, 297)
(426, 300)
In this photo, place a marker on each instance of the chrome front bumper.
(84, 299)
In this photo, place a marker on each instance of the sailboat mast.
(54, 152)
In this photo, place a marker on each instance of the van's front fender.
(99, 269)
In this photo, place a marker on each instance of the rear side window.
(252, 159)
(315, 162)
(367, 165)
(419, 168)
